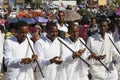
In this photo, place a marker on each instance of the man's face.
(52, 33)
(74, 33)
(22, 33)
(61, 16)
(103, 27)
(94, 21)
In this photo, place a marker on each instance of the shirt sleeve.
(90, 61)
(40, 51)
(116, 55)
(9, 61)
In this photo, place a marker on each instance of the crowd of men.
(61, 50)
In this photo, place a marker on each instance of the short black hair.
(49, 25)
(61, 12)
(104, 20)
(20, 24)
(11, 26)
(71, 25)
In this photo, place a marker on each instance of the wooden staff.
(73, 52)
(34, 53)
(97, 58)
(36, 61)
(114, 45)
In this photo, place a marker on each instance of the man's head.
(73, 31)
(103, 26)
(22, 30)
(52, 30)
(38, 29)
(61, 16)
(93, 20)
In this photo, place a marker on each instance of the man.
(11, 31)
(117, 44)
(62, 28)
(93, 28)
(18, 55)
(76, 69)
(100, 44)
(37, 33)
(52, 54)
(49, 52)
(2, 38)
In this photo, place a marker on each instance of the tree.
(36, 4)
(118, 1)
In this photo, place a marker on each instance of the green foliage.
(36, 4)
(82, 11)
(112, 7)
(118, 1)
(114, 4)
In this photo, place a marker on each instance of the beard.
(61, 21)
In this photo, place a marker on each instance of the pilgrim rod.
(73, 52)
(36, 61)
(97, 58)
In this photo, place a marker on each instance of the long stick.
(97, 58)
(73, 52)
(114, 45)
(36, 61)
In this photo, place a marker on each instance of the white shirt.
(62, 28)
(103, 47)
(1, 45)
(117, 44)
(47, 50)
(13, 53)
(77, 69)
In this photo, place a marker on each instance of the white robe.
(103, 47)
(117, 44)
(67, 58)
(1, 48)
(46, 50)
(76, 69)
(62, 28)
(13, 53)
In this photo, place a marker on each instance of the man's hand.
(75, 55)
(78, 54)
(56, 60)
(34, 57)
(100, 57)
(81, 51)
(93, 55)
(26, 61)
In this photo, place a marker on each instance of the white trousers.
(100, 73)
